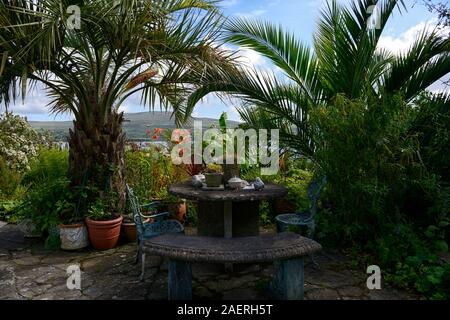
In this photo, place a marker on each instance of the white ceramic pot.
(73, 237)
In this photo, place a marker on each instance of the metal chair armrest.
(157, 217)
(151, 205)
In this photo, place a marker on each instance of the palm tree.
(346, 60)
(162, 50)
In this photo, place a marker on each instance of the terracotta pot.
(283, 205)
(104, 235)
(178, 210)
(129, 231)
(73, 236)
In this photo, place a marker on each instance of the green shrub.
(191, 215)
(8, 210)
(295, 174)
(431, 122)
(19, 142)
(48, 194)
(9, 180)
(150, 173)
(388, 200)
(296, 181)
(370, 161)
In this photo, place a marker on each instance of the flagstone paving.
(29, 271)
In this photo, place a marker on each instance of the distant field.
(135, 126)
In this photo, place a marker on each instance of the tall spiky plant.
(346, 59)
(162, 50)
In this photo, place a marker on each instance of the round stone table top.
(187, 191)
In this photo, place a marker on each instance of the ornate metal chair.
(307, 217)
(159, 225)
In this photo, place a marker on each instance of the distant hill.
(135, 125)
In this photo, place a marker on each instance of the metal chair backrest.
(315, 189)
(135, 207)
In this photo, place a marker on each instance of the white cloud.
(229, 3)
(36, 102)
(402, 43)
(251, 58)
(251, 14)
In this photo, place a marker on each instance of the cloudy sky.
(298, 16)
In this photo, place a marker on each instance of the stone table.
(229, 213)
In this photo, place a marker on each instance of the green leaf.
(223, 122)
(443, 224)
(441, 246)
(431, 231)
(4, 59)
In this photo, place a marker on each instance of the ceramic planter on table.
(213, 179)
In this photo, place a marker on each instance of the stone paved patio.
(29, 271)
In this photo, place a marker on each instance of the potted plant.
(73, 233)
(129, 227)
(213, 175)
(177, 208)
(103, 226)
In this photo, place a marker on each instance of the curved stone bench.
(286, 250)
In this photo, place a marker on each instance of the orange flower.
(158, 131)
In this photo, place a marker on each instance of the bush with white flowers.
(19, 142)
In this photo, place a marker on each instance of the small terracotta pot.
(129, 231)
(283, 206)
(178, 210)
(104, 235)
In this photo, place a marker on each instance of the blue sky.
(298, 16)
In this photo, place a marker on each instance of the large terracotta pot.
(74, 236)
(104, 235)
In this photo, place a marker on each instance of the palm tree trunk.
(96, 158)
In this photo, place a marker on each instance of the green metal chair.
(304, 218)
(160, 224)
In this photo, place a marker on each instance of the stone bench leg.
(180, 280)
(288, 282)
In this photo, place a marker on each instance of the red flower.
(149, 132)
(155, 137)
